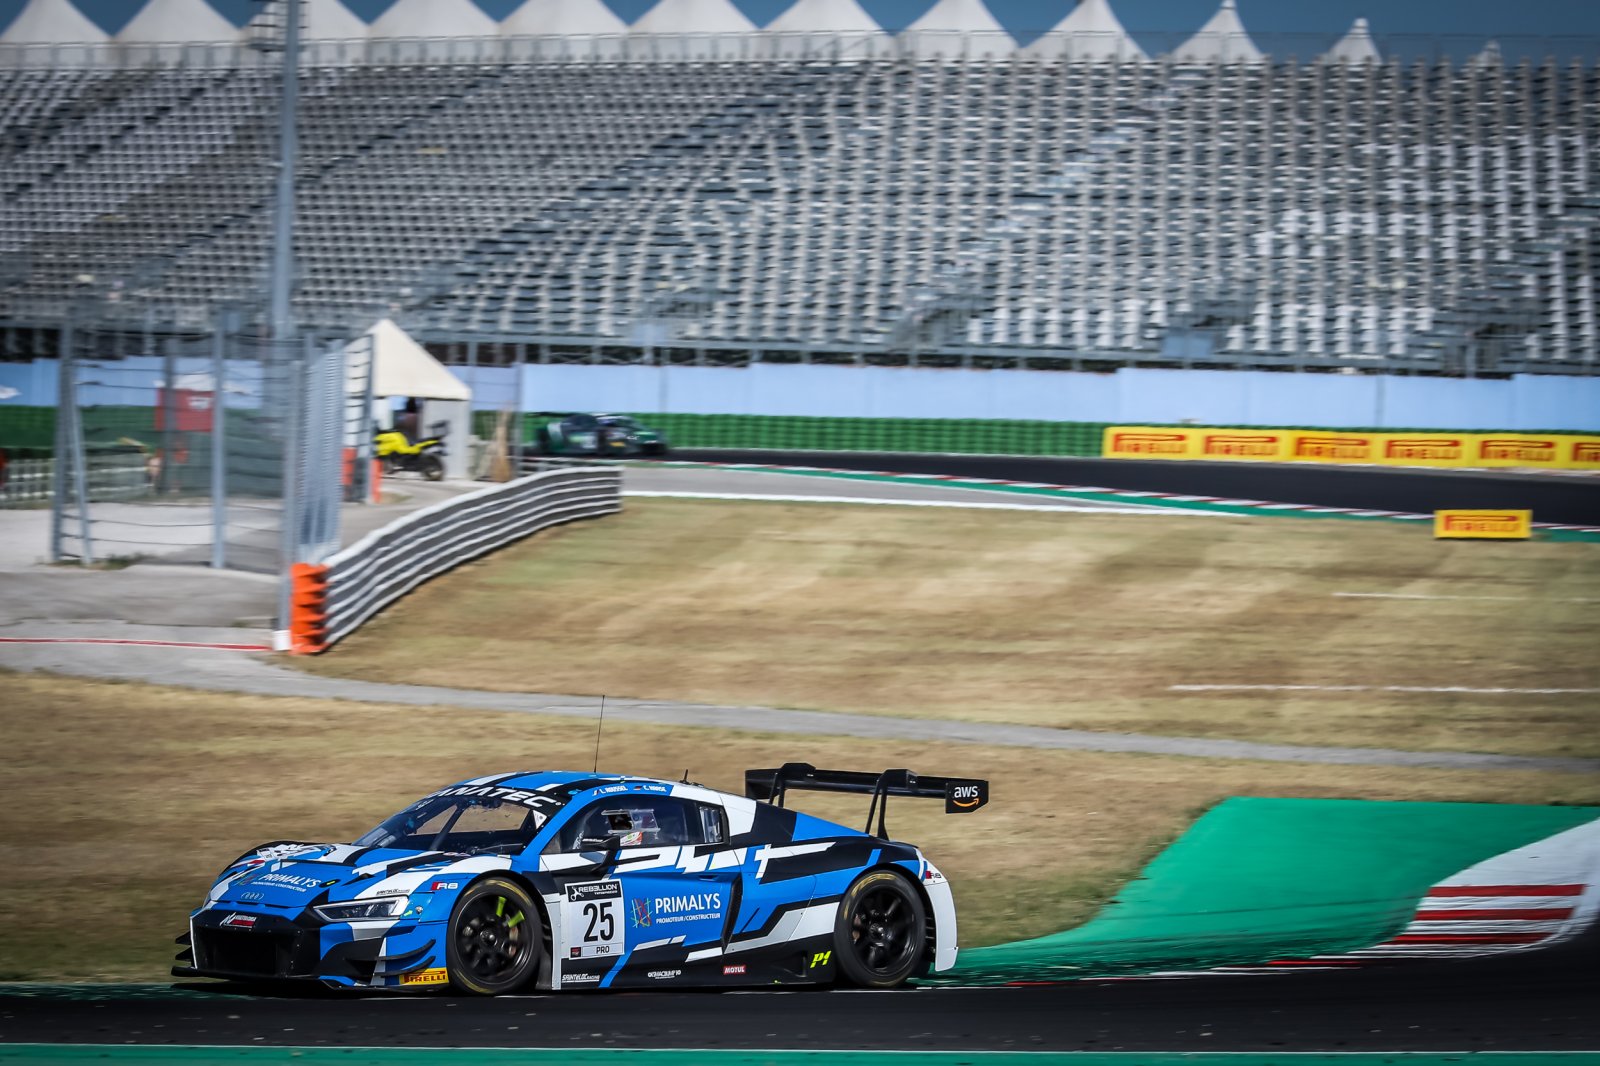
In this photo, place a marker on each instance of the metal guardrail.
(332, 599)
(29, 481)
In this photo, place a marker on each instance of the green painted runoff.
(1258, 879)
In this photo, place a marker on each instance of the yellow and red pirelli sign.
(1439, 449)
(1494, 524)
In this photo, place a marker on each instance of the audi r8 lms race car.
(559, 880)
(597, 435)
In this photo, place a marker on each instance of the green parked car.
(596, 435)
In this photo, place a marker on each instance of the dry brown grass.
(1066, 620)
(122, 801)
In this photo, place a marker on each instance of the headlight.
(359, 910)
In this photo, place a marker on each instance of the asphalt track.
(1541, 1001)
(1551, 497)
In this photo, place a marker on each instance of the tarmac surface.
(1552, 497)
(1529, 1002)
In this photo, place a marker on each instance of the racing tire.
(879, 935)
(430, 467)
(495, 938)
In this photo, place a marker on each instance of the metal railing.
(733, 47)
(332, 599)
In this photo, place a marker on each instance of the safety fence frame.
(330, 600)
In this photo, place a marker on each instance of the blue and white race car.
(578, 881)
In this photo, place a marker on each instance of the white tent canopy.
(1221, 40)
(552, 18)
(177, 22)
(330, 20)
(693, 17)
(826, 27)
(1488, 56)
(1356, 46)
(692, 29)
(825, 16)
(52, 22)
(955, 28)
(434, 18)
(402, 367)
(1091, 31)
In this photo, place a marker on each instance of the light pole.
(280, 314)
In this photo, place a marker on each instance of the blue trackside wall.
(1130, 395)
(1134, 396)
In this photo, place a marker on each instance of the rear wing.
(961, 795)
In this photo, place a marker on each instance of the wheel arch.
(930, 929)
(542, 971)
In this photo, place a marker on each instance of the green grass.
(1067, 620)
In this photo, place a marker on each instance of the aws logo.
(961, 796)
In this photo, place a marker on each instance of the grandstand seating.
(1408, 214)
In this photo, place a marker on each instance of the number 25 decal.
(601, 921)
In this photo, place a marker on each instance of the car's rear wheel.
(495, 938)
(879, 935)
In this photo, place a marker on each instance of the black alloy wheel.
(879, 935)
(430, 466)
(495, 938)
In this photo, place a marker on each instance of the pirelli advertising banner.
(1444, 449)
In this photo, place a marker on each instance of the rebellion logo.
(1149, 443)
(1436, 449)
(1332, 448)
(1241, 445)
(1521, 449)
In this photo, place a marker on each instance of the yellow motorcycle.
(396, 451)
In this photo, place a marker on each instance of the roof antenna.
(599, 726)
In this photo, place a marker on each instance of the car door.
(640, 890)
(582, 434)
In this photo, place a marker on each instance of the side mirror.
(605, 843)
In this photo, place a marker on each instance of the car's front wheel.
(495, 938)
(879, 935)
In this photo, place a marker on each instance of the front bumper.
(279, 948)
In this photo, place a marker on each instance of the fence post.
(80, 471)
(166, 480)
(219, 444)
(289, 536)
(58, 462)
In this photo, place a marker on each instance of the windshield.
(466, 819)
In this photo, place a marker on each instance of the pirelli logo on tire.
(1492, 524)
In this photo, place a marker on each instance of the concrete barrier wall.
(1130, 395)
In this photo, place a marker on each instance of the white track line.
(927, 503)
(1389, 688)
(1442, 596)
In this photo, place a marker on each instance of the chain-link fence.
(219, 448)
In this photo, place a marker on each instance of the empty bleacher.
(1427, 215)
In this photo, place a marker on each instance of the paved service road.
(225, 671)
